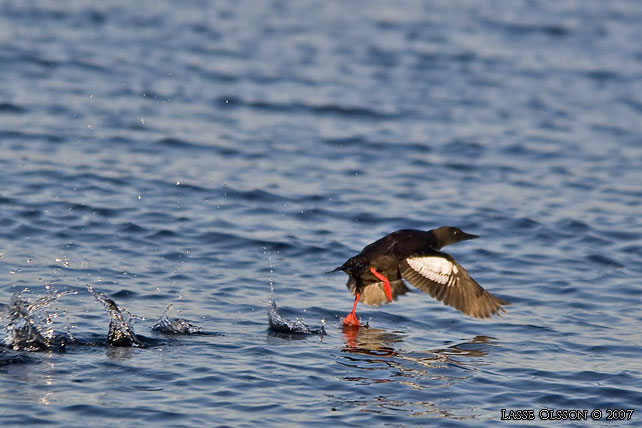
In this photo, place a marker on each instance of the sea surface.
(165, 165)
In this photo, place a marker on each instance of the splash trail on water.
(279, 324)
(22, 331)
(175, 326)
(121, 332)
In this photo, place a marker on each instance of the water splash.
(174, 326)
(268, 258)
(279, 324)
(121, 332)
(47, 299)
(23, 332)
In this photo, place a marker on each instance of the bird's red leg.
(386, 283)
(351, 319)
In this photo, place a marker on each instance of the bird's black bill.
(467, 236)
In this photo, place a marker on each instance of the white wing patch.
(436, 269)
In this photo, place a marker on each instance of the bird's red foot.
(351, 320)
(386, 283)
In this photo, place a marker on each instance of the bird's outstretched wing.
(439, 275)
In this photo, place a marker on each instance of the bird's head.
(447, 235)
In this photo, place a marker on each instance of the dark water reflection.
(376, 356)
(387, 347)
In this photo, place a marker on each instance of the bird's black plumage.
(413, 255)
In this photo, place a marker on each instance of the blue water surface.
(193, 153)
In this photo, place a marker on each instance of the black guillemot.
(376, 273)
